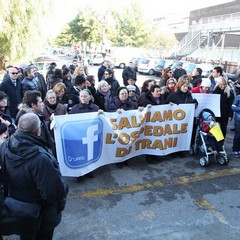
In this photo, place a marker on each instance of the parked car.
(97, 59)
(120, 61)
(43, 66)
(135, 62)
(147, 65)
(159, 67)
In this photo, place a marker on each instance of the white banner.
(207, 100)
(87, 141)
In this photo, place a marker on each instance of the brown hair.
(58, 87)
(180, 83)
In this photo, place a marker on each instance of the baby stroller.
(206, 142)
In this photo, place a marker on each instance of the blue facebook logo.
(82, 142)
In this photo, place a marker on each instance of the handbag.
(17, 217)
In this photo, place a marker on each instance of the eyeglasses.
(14, 73)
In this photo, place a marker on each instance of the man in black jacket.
(129, 72)
(197, 77)
(33, 174)
(11, 85)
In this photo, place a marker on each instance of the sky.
(67, 9)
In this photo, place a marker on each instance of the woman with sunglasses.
(170, 87)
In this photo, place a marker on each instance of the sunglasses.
(14, 73)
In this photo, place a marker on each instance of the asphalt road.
(174, 199)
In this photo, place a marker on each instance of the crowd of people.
(72, 90)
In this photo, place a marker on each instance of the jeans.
(236, 139)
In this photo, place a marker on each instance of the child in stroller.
(208, 143)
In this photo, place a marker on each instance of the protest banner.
(207, 100)
(87, 141)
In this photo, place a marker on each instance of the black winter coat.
(180, 97)
(196, 80)
(128, 73)
(149, 99)
(114, 85)
(225, 103)
(14, 95)
(32, 170)
(84, 108)
(103, 101)
(42, 86)
(73, 96)
(118, 104)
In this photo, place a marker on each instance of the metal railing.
(205, 26)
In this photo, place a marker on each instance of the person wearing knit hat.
(131, 88)
(203, 87)
(132, 93)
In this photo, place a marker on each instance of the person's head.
(33, 99)
(182, 86)
(155, 90)
(53, 64)
(111, 66)
(205, 85)
(91, 79)
(217, 71)
(130, 64)
(85, 96)
(3, 100)
(131, 81)
(105, 63)
(29, 72)
(180, 65)
(131, 90)
(197, 72)
(13, 73)
(52, 67)
(171, 83)
(60, 89)
(30, 123)
(223, 85)
(103, 86)
(74, 63)
(66, 73)
(35, 70)
(122, 93)
(108, 73)
(147, 84)
(80, 82)
(58, 73)
(3, 132)
(78, 71)
(51, 97)
(185, 77)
